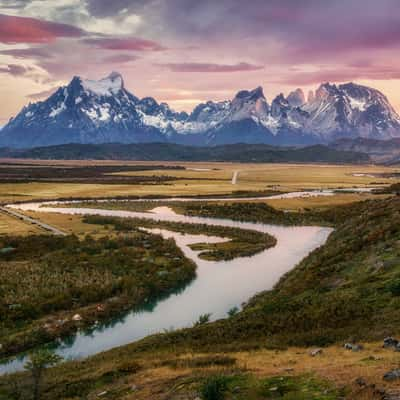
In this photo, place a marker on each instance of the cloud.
(42, 95)
(209, 67)
(343, 74)
(120, 58)
(14, 70)
(106, 8)
(30, 30)
(134, 44)
(31, 52)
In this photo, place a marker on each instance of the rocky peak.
(251, 95)
(296, 98)
(324, 91)
(280, 106)
(108, 86)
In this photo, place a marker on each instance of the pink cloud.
(33, 52)
(135, 44)
(14, 70)
(341, 74)
(206, 67)
(120, 58)
(30, 30)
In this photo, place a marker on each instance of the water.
(218, 287)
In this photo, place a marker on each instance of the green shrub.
(394, 287)
(214, 388)
(203, 319)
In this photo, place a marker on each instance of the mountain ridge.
(104, 111)
(240, 152)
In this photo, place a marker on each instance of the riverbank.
(54, 286)
(126, 373)
(209, 292)
(344, 291)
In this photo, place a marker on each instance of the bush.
(203, 319)
(394, 287)
(214, 388)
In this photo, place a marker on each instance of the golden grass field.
(217, 179)
(13, 226)
(334, 364)
(320, 202)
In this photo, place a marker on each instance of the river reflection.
(218, 286)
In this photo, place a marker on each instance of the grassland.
(13, 226)
(215, 179)
(284, 176)
(128, 374)
(321, 202)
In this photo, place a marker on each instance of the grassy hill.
(347, 289)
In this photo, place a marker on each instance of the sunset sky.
(187, 51)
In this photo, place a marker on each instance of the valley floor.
(346, 291)
(196, 179)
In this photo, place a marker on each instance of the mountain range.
(104, 111)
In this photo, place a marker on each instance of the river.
(218, 286)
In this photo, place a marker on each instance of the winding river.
(218, 286)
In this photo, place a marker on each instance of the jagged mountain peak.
(251, 95)
(100, 111)
(281, 99)
(325, 90)
(108, 86)
(296, 98)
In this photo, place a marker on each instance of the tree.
(203, 319)
(38, 362)
(233, 311)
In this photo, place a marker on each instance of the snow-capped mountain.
(351, 110)
(88, 111)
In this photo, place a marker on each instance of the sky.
(187, 51)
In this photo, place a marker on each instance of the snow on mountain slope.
(108, 86)
(351, 110)
(89, 111)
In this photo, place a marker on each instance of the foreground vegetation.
(346, 291)
(46, 280)
(239, 242)
(290, 374)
